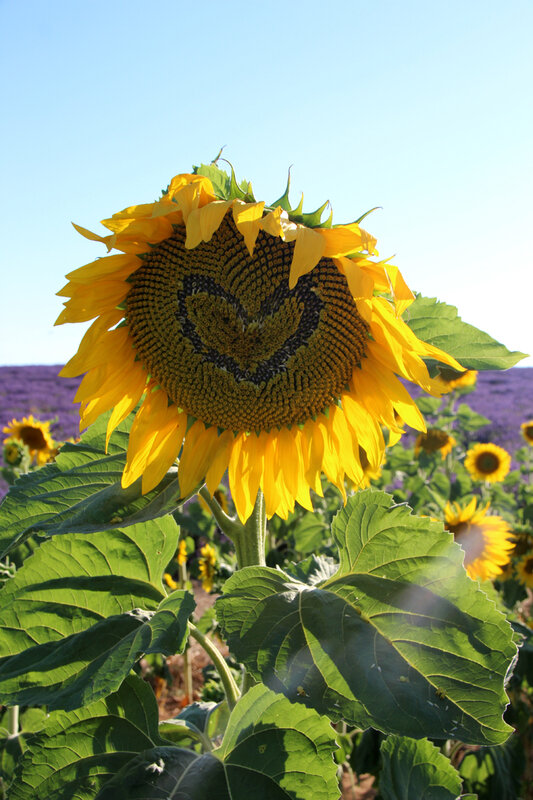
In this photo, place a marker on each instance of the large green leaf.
(399, 638)
(439, 324)
(81, 611)
(78, 751)
(416, 770)
(272, 750)
(81, 491)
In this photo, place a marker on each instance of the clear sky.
(422, 108)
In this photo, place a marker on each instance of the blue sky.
(421, 108)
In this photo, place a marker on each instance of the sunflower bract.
(254, 343)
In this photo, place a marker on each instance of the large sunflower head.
(434, 440)
(485, 539)
(527, 431)
(258, 339)
(35, 435)
(488, 462)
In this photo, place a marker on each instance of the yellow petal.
(308, 250)
(131, 395)
(203, 222)
(200, 444)
(146, 425)
(104, 268)
(344, 239)
(247, 218)
(359, 284)
(271, 223)
(164, 450)
(242, 503)
(220, 461)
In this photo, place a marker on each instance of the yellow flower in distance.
(488, 462)
(524, 569)
(35, 435)
(448, 380)
(206, 566)
(182, 552)
(484, 538)
(527, 431)
(259, 343)
(434, 441)
(170, 582)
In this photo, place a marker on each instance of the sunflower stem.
(251, 544)
(230, 687)
(228, 525)
(13, 721)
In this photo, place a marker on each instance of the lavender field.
(506, 398)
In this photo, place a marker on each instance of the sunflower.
(15, 452)
(488, 462)
(485, 539)
(434, 441)
(206, 566)
(524, 569)
(35, 435)
(182, 552)
(527, 431)
(259, 339)
(448, 380)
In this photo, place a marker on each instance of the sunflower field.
(281, 557)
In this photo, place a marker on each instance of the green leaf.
(220, 179)
(197, 722)
(78, 751)
(428, 405)
(82, 610)
(416, 770)
(470, 420)
(81, 491)
(278, 750)
(310, 533)
(399, 638)
(439, 324)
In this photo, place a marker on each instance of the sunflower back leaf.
(76, 752)
(381, 642)
(81, 492)
(416, 768)
(71, 636)
(440, 325)
(279, 749)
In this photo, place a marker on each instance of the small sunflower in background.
(35, 435)
(524, 570)
(259, 339)
(435, 441)
(182, 552)
(527, 431)
(206, 566)
(488, 462)
(448, 380)
(16, 453)
(486, 539)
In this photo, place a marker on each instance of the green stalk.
(230, 687)
(249, 540)
(13, 721)
(228, 525)
(250, 544)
